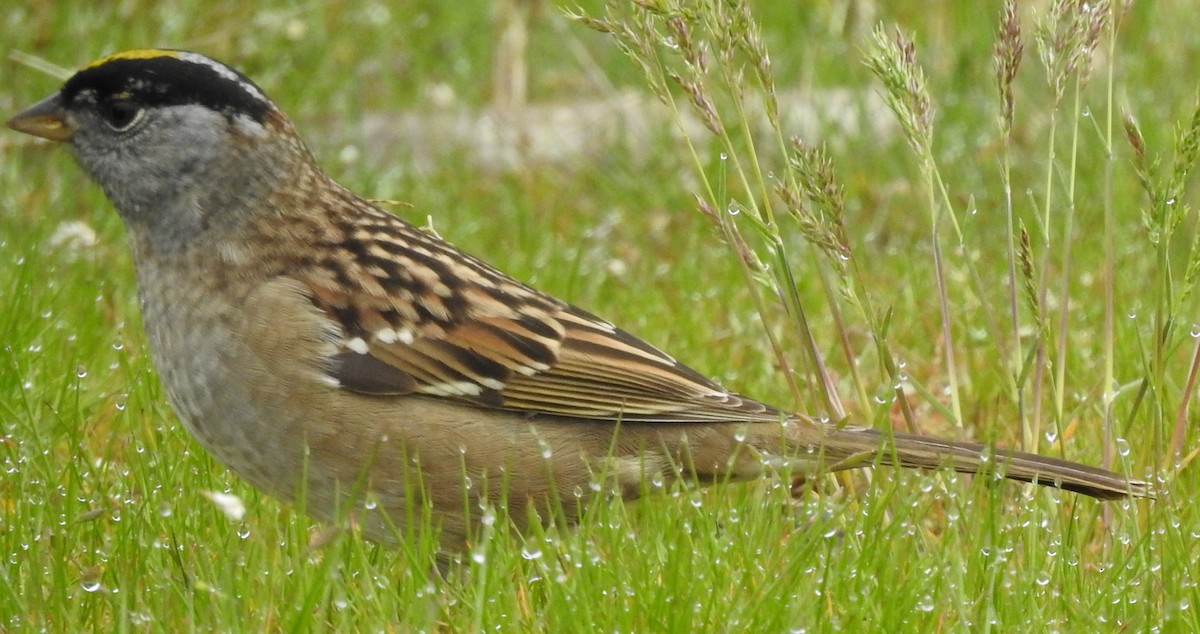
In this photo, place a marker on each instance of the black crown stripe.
(169, 79)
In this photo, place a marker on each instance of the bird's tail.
(850, 447)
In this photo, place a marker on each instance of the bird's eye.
(121, 114)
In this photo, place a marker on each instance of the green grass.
(104, 522)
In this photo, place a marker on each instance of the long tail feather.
(852, 447)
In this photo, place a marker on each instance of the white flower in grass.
(229, 504)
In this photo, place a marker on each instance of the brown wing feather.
(432, 320)
(604, 372)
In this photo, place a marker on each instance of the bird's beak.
(46, 119)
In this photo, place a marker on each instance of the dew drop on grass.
(90, 585)
(1122, 447)
(532, 553)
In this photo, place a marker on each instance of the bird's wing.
(417, 316)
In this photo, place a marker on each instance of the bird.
(328, 352)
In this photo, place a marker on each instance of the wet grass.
(104, 521)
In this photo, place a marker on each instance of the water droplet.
(371, 504)
(1122, 447)
(80, 371)
(349, 154)
(531, 553)
(91, 585)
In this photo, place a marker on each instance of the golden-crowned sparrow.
(317, 345)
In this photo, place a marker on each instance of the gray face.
(174, 138)
(153, 159)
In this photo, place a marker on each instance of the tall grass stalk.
(1006, 59)
(714, 53)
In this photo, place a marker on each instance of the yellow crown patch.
(137, 53)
